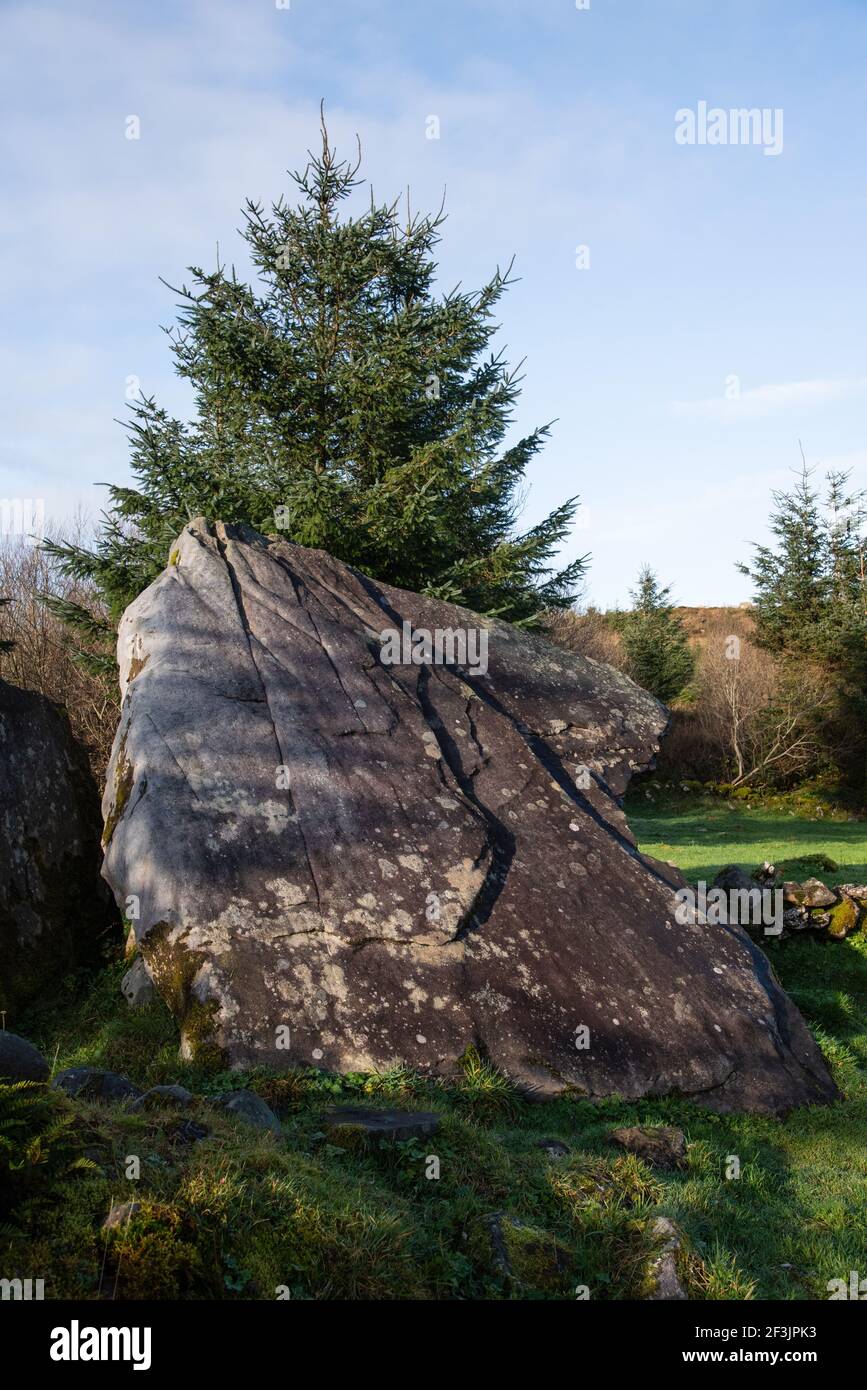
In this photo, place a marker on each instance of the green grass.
(701, 833)
(240, 1215)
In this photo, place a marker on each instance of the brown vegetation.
(43, 655)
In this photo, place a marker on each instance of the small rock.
(137, 986)
(843, 918)
(247, 1106)
(662, 1271)
(858, 891)
(187, 1132)
(733, 878)
(396, 1125)
(163, 1095)
(793, 894)
(797, 919)
(519, 1252)
(553, 1148)
(661, 1146)
(816, 894)
(20, 1060)
(90, 1083)
(121, 1215)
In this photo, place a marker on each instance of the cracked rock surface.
(344, 863)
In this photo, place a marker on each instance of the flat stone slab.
(385, 1124)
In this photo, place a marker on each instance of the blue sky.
(708, 263)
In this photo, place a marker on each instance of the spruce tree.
(660, 657)
(342, 402)
(811, 604)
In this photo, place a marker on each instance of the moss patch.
(123, 785)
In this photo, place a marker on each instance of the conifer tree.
(811, 604)
(342, 402)
(656, 644)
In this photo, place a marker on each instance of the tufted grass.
(240, 1215)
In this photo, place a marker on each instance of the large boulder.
(54, 907)
(339, 860)
(20, 1060)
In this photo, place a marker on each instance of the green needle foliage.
(658, 648)
(342, 402)
(811, 605)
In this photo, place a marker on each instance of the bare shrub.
(589, 633)
(42, 655)
(763, 718)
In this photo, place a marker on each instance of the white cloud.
(734, 404)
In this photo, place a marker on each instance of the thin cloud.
(773, 399)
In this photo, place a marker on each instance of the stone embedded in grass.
(662, 1274)
(660, 1146)
(20, 1060)
(91, 1083)
(396, 1125)
(163, 1095)
(519, 1252)
(553, 1149)
(187, 1132)
(251, 1109)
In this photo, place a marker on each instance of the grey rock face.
(53, 904)
(20, 1060)
(349, 863)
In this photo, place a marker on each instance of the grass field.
(701, 833)
(241, 1215)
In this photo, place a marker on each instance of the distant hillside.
(699, 621)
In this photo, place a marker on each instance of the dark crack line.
(501, 841)
(553, 765)
(540, 750)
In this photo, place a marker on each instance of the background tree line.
(342, 402)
